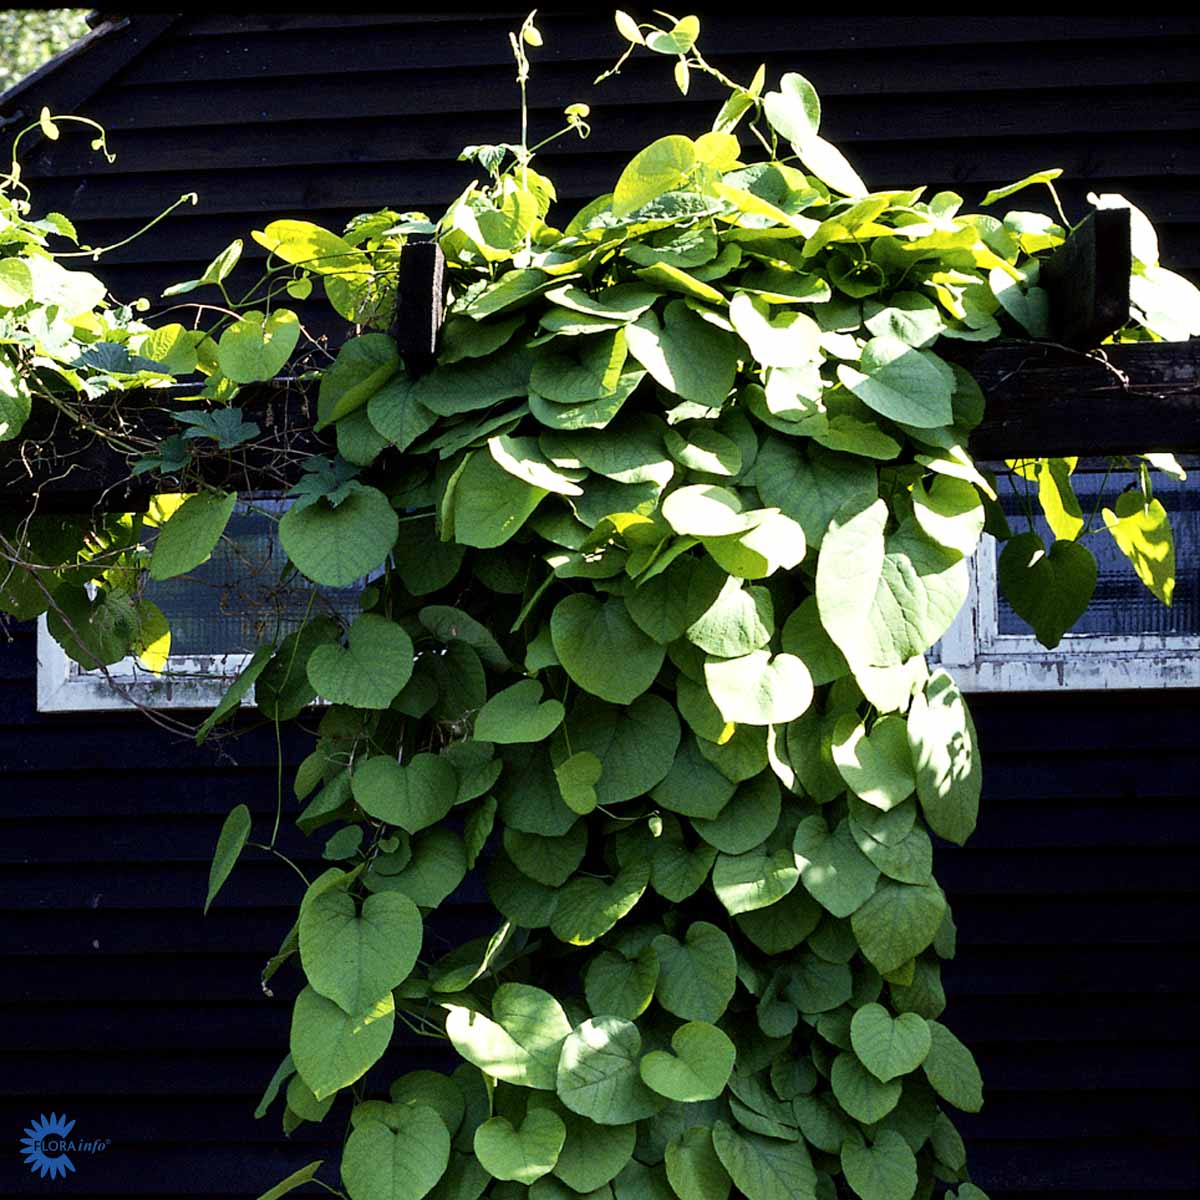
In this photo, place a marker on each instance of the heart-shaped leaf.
(952, 1070)
(338, 546)
(402, 1160)
(520, 1043)
(693, 1168)
(886, 1170)
(876, 766)
(588, 908)
(898, 922)
(355, 958)
(863, 1096)
(523, 1155)
(518, 714)
(577, 778)
(697, 976)
(759, 688)
(368, 673)
(889, 1046)
(601, 648)
(1050, 590)
(833, 869)
(331, 1048)
(619, 986)
(190, 534)
(412, 796)
(699, 1067)
(765, 1168)
(946, 758)
(685, 354)
(598, 1073)
(906, 385)
(795, 110)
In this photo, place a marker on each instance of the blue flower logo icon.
(41, 1146)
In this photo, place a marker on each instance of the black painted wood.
(1076, 901)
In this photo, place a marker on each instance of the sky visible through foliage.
(30, 36)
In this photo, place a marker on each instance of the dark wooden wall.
(1076, 902)
(144, 1020)
(324, 116)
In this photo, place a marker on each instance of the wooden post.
(1087, 280)
(420, 304)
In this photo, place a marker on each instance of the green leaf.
(190, 534)
(434, 867)
(696, 977)
(368, 673)
(685, 354)
(951, 1068)
(863, 1096)
(293, 1181)
(330, 1048)
(950, 513)
(490, 505)
(886, 1170)
(16, 282)
(354, 958)
(1049, 590)
(906, 385)
(618, 986)
(601, 648)
(283, 690)
(522, 1041)
(413, 795)
(833, 869)
(693, 1168)
(701, 448)
(812, 486)
(758, 688)
(518, 714)
(236, 692)
(598, 1073)
(898, 922)
(577, 777)
(804, 636)
(790, 339)
(16, 403)
(945, 756)
(257, 348)
(795, 110)
(661, 167)
(338, 546)
(230, 844)
(705, 510)
(756, 879)
(997, 194)
(592, 1154)
(1142, 533)
(698, 1067)
(363, 365)
(402, 1160)
(525, 1154)
(889, 1046)
(304, 244)
(824, 160)
(588, 908)
(764, 1168)
(876, 766)
(739, 621)
(746, 820)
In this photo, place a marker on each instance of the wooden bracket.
(1087, 280)
(420, 304)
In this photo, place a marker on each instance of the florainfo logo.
(47, 1146)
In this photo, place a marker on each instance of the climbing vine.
(655, 554)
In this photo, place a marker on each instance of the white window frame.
(982, 659)
(188, 682)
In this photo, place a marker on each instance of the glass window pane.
(1122, 604)
(236, 601)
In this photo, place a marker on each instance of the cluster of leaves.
(657, 550)
(681, 508)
